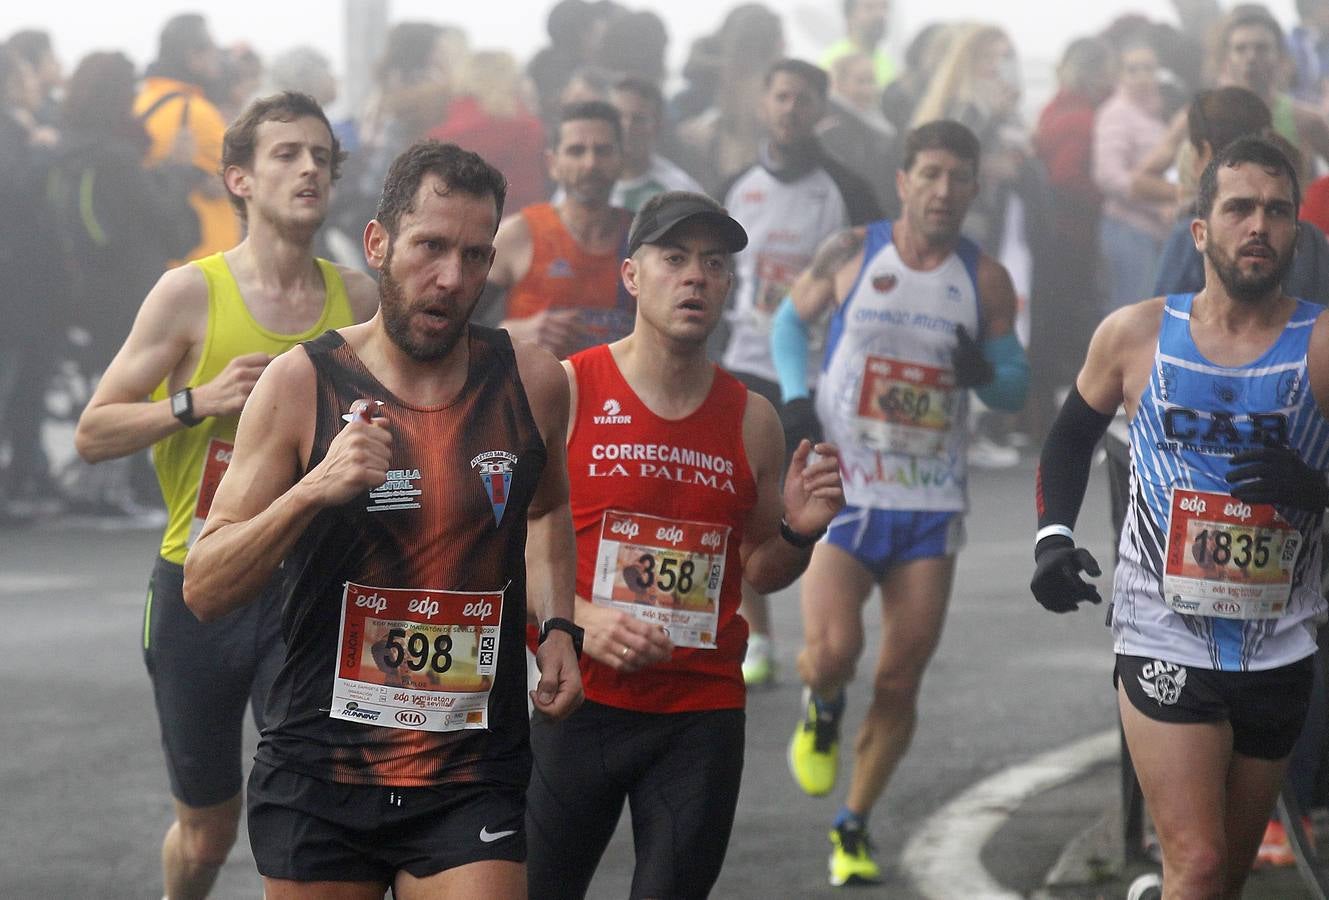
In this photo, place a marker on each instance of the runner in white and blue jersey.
(919, 316)
(1216, 598)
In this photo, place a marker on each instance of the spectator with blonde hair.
(491, 116)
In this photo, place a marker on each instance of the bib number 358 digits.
(663, 571)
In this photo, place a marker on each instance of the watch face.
(179, 403)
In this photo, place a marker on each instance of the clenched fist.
(226, 394)
(357, 459)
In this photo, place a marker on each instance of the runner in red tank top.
(677, 498)
(410, 536)
(559, 262)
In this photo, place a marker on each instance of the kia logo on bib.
(410, 717)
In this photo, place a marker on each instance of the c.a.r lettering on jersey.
(400, 490)
(1220, 432)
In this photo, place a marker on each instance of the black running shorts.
(204, 674)
(304, 829)
(1265, 708)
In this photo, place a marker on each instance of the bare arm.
(1317, 362)
(1164, 155)
(1114, 372)
(551, 546)
(1314, 131)
(263, 504)
(820, 286)
(169, 328)
(513, 251)
(809, 498)
(996, 296)
(361, 291)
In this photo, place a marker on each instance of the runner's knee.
(206, 841)
(834, 656)
(896, 687)
(1195, 867)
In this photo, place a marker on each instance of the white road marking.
(943, 858)
(34, 584)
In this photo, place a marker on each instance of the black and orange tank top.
(405, 607)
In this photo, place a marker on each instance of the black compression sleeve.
(1063, 469)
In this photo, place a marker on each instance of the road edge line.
(943, 857)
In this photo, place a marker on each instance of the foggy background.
(1040, 29)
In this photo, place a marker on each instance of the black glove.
(972, 368)
(1057, 584)
(1277, 475)
(800, 421)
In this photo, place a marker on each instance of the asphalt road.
(85, 796)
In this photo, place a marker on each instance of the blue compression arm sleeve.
(1010, 382)
(789, 351)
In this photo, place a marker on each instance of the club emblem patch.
(885, 283)
(1162, 682)
(495, 469)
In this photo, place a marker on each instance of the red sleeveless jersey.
(659, 507)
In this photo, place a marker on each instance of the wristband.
(1049, 530)
(796, 539)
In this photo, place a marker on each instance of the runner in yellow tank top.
(202, 337)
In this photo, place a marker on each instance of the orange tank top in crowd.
(564, 275)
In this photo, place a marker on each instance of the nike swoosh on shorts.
(490, 836)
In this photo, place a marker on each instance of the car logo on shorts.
(411, 717)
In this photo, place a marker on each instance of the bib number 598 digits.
(415, 652)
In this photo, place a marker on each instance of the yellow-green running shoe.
(851, 858)
(814, 750)
(758, 663)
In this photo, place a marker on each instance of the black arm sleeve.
(1063, 469)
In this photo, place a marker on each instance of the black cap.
(663, 212)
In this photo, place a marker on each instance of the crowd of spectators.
(109, 175)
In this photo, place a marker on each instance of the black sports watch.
(182, 407)
(573, 630)
(797, 538)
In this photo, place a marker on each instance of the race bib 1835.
(1227, 558)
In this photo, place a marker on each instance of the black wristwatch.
(797, 539)
(182, 407)
(573, 630)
